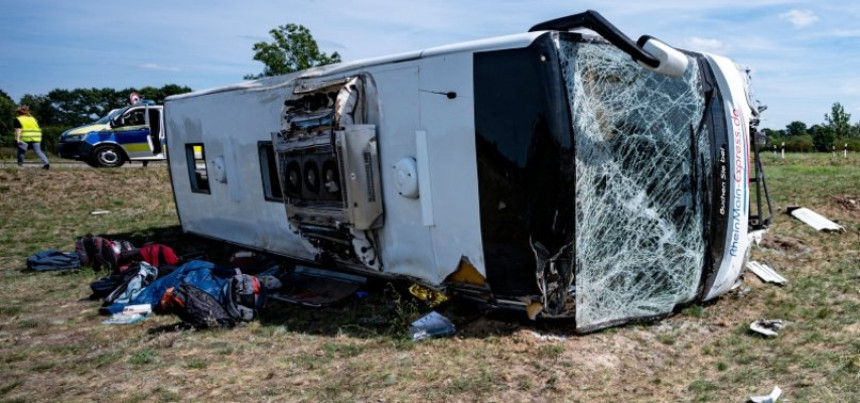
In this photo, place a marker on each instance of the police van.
(132, 133)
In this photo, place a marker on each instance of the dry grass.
(54, 347)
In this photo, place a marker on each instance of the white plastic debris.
(815, 220)
(142, 309)
(547, 337)
(431, 325)
(756, 236)
(767, 328)
(99, 212)
(771, 398)
(123, 318)
(766, 273)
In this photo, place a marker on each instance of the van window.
(135, 117)
(197, 173)
(269, 172)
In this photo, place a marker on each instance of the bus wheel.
(108, 156)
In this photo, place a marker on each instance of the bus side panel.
(229, 126)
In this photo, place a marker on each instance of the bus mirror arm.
(648, 51)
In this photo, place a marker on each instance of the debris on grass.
(432, 297)
(767, 328)
(431, 325)
(125, 318)
(756, 236)
(99, 212)
(771, 398)
(814, 220)
(139, 309)
(547, 337)
(766, 273)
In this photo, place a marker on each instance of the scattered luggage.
(198, 292)
(242, 296)
(104, 286)
(141, 275)
(201, 274)
(53, 260)
(158, 255)
(196, 307)
(100, 252)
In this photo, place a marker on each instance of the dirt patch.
(785, 244)
(849, 204)
(485, 327)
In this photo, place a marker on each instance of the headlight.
(71, 137)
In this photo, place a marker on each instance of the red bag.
(157, 254)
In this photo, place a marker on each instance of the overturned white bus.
(556, 171)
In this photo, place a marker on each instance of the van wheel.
(108, 156)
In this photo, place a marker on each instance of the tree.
(838, 121)
(823, 137)
(159, 94)
(774, 137)
(796, 128)
(7, 113)
(40, 108)
(80, 106)
(294, 49)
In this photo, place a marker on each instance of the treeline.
(61, 109)
(835, 133)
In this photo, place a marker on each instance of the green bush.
(853, 144)
(802, 144)
(51, 136)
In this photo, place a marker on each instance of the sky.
(804, 55)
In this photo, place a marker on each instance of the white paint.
(406, 177)
(736, 242)
(406, 245)
(673, 63)
(424, 187)
(229, 124)
(815, 220)
(450, 127)
(231, 168)
(766, 273)
(421, 238)
(219, 174)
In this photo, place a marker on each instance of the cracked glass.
(640, 150)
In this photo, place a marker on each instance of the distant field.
(54, 347)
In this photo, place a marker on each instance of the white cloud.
(153, 66)
(707, 45)
(799, 18)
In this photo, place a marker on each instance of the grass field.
(54, 347)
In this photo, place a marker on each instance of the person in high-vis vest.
(29, 135)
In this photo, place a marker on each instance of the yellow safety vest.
(30, 130)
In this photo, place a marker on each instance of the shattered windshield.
(640, 146)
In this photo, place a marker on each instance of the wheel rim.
(108, 156)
